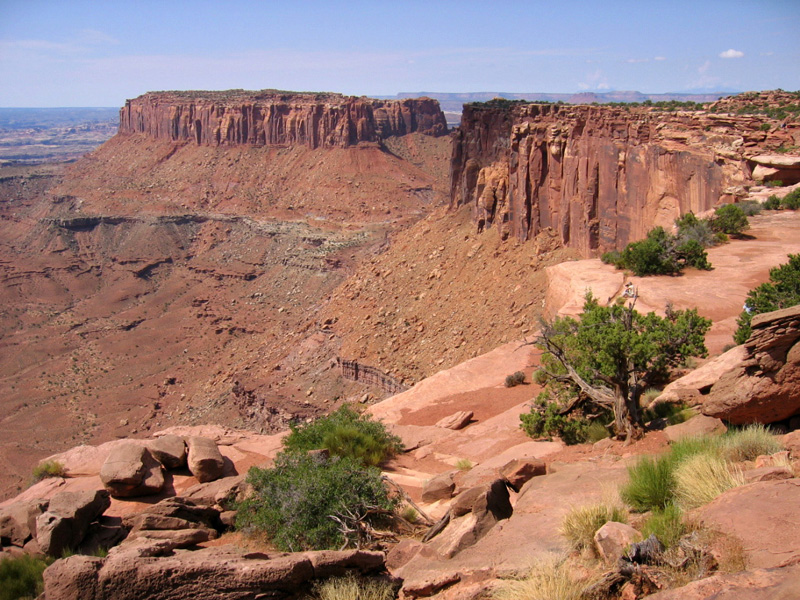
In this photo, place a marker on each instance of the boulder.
(204, 459)
(174, 513)
(130, 470)
(169, 450)
(767, 474)
(222, 491)
(613, 538)
(18, 521)
(456, 421)
(66, 521)
(219, 573)
(791, 441)
(472, 514)
(690, 388)
(519, 471)
(440, 487)
(761, 515)
(699, 425)
(765, 386)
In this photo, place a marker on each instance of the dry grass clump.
(547, 580)
(580, 524)
(351, 587)
(703, 477)
(749, 443)
(48, 468)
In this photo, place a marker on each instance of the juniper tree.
(609, 355)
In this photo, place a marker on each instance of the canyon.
(257, 259)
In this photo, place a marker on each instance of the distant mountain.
(23, 118)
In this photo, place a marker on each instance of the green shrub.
(665, 410)
(48, 468)
(791, 201)
(701, 478)
(730, 220)
(781, 291)
(352, 587)
(294, 502)
(666, 524)
(691, 254)
(596, 431)
(649, 257)
(517, 378)
(581, 523)
(21, 577)
(764, 127)
(650, 485)
(544, 421)
(614, 257)
(772, 203)
(691, 228)
(749, 443)
(774, 183)
(751, 207)
(345, 433)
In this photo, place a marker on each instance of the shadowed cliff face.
(278, 118)
(599, 176)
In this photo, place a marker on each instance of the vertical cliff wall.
(599, 176)
(271, 118)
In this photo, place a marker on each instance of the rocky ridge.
(602, 176)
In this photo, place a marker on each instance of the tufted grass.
(703, 477)
(547, 580)
(351, 587)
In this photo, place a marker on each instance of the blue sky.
(81, 53)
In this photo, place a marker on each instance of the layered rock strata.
(274, 118)
(601, 176)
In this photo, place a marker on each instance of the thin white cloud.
(702, 69)
(660, 58)
(95, 37)
(731, 54)
(767, 53)
(637, 60)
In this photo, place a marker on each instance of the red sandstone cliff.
(601, 176)
(274, 118)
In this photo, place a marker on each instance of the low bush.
(295, 502)
(547, 580)
(774, 183)
(791, 201)
(730, 220)
(663, 254)
(749, 443)
(751, 207)
(701, 478)
(516, 378)
(21, 577)
(48, 468)
(666, 524)
(345, 433)
(544, 421)
(352, 587)
(580, 524)
(772, 203)
(464, 464)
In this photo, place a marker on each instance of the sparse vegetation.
(21, 577)
(345, 433)
(781, 291)
(48, 468)
(580, 524)
(516, 378)
(748, 443)
(352, 587)
(547, 580)
(308, 502)
(650, 485)
(464, 464)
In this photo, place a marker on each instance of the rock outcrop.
(66, 521)
(130, 470)
(276, 118)
(599, 176)
(153, 571)
(765, 386)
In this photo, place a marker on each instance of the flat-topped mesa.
(601, 176)
(275, 118)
